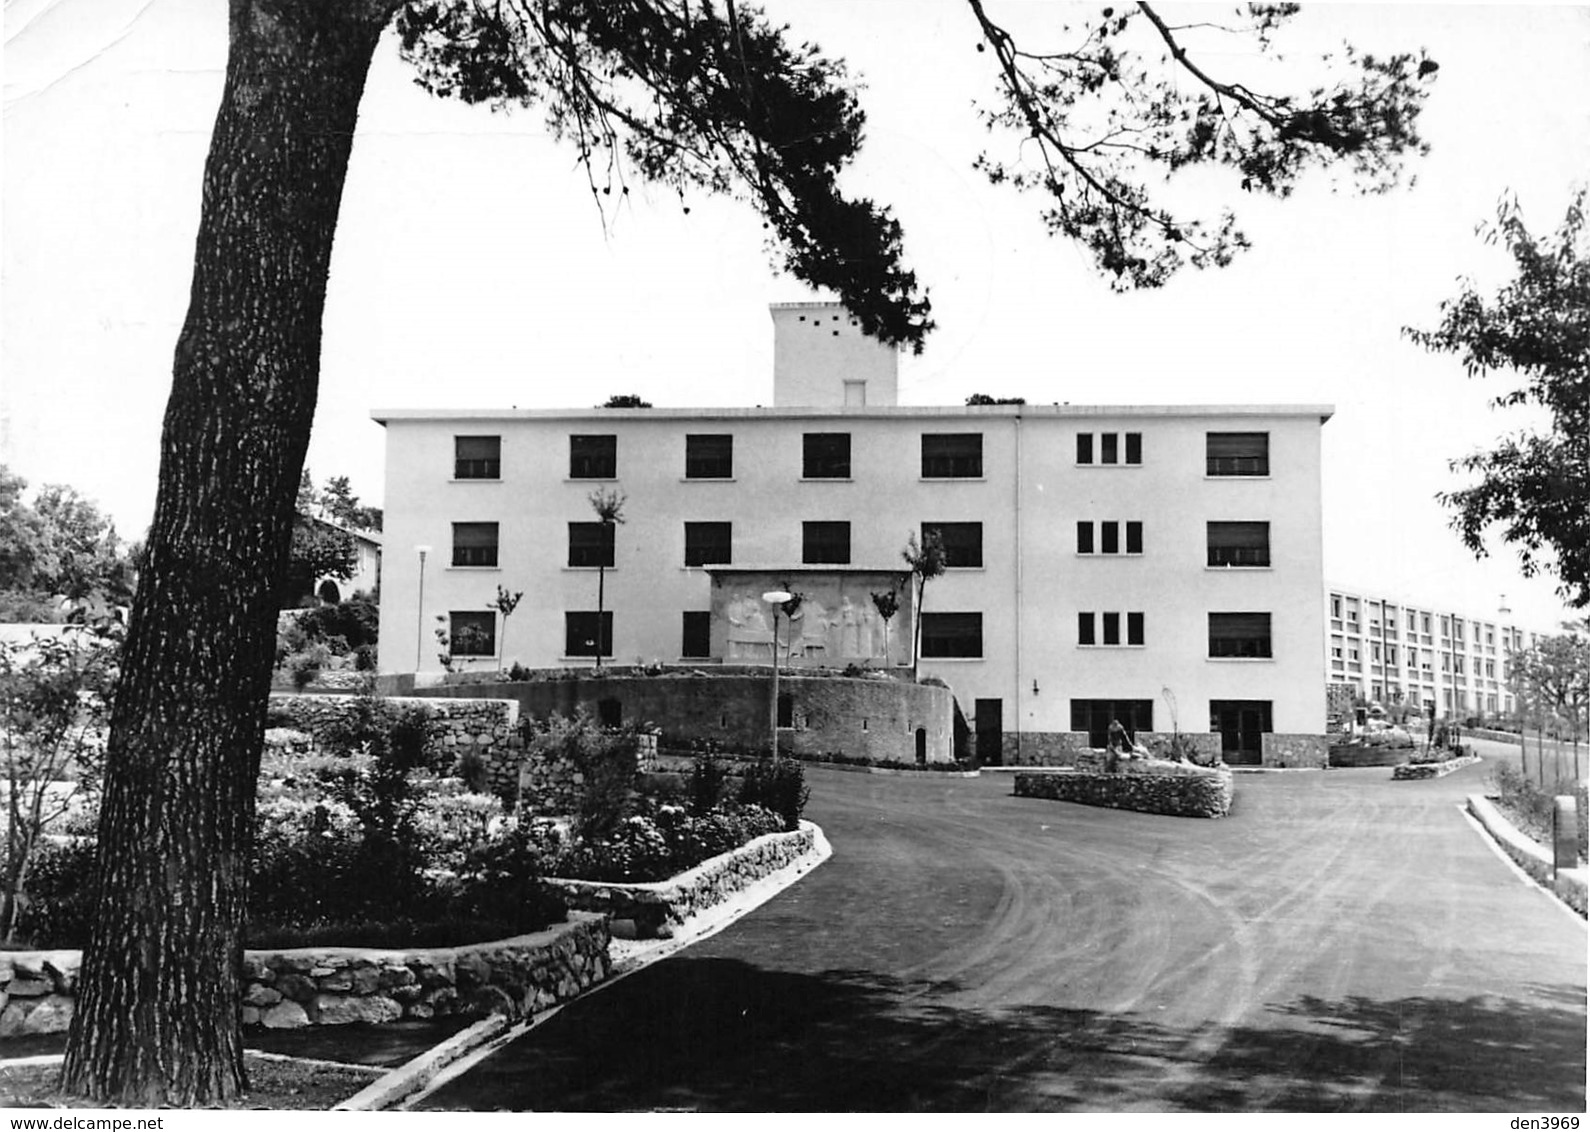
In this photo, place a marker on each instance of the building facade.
(1445, 662)
(1161, 565)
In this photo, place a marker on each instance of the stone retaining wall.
(1201, 795)
(649, 910)
(874, 716)
(328, 986)
(1410, 771)
(1284, 750)
(1359, 755)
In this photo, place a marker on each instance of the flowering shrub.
(656, 846)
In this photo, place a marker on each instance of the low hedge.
(1193, 794)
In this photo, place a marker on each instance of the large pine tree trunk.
(157, 1018)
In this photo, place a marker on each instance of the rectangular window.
(1237, 453)
(1110, 538)
(1239, 544)
(1095, 717)
(1239, 634)
(580, 634)
(1109, 448)
(1134, 628)
(474, 544)
(1085, 629)
(708, 544)
(472, 634)
(825, 456)
(952, 635)
(697, 635)
(591, 544)
(963, 542)
(593, 457)
(825, 542)
(477, 457)
(1134, 448)
(1084, 448)
(709, 456)
(1084, 538)
(1112, 628)
(1134, 538)
(952, 455)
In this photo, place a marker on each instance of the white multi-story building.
(1443, 661)
(1157, 564)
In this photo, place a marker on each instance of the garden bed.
(1185, 792)
(1411, 771)
(652, 909)
(274, 1083)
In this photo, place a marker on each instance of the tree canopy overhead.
(1534, 485)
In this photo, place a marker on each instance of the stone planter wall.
(652, 909)
(1283, 750)
(328, 986)
(1356, 755)
(1200, 795)
(1412, 771)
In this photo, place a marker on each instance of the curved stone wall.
(874, 716)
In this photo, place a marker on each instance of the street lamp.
(419, 611)
(1512, 683)
(776, 598)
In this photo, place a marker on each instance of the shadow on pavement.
(720, 1034)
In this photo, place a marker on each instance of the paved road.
(1339, 942)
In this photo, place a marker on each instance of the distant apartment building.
(1157, 564)
(1444, 661)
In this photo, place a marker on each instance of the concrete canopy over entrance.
(837, 622)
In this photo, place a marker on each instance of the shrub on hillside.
(606, 761)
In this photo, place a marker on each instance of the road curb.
(1534, 861)
(418, 1077)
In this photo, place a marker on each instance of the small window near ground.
(472, 634)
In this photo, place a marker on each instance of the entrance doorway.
(1242, 724)
(990, 721)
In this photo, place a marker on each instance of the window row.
(473, 633)
(826, 455)
(1105, 629)
(957, 635)
(1230, 544)
(711, 543)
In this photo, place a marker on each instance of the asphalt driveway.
(1340, 942)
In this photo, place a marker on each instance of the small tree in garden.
(505, 604)
(927, 562)
(887, 603)
(53, 696)
(609, 507)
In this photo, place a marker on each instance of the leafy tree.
(59, 546)
(1554, 674)
(625, 401)
(340, 505)
(887, 603)
(609, 507)
(319, 550)
(927, 562)
(53, 695)
(1536, 485)
(505, 604)
(687, 95)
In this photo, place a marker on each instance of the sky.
(472, 268)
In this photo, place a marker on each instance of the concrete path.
(1340, 942)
